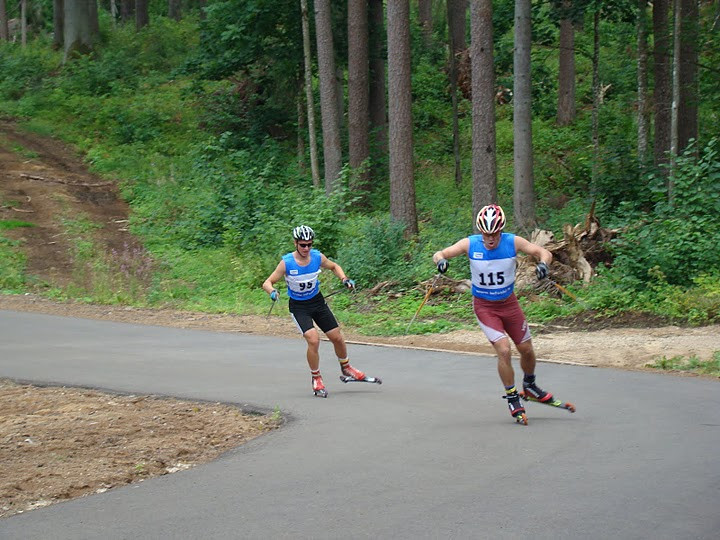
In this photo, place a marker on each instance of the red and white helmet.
(490, 219)
(303, 232)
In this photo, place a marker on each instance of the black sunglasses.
(304, 245)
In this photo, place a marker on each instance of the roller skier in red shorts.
(492, 255)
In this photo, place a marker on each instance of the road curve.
(432, 453)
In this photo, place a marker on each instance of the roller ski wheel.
(521, 419)
(321, 393)
(552, 402)
(371, 380)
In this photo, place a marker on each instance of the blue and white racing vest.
(302, 281)
(492, 270)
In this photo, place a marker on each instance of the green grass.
(7, 224)
(690, 364)
(12, 267)
(24, 152)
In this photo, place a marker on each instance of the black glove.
(349, 283)
(541, 270)
(443, 265)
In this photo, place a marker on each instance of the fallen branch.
(65, 182)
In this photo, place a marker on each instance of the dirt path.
(45, 183)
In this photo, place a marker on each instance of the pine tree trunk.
(425, 20)
(484, 166)
(175, 9)
(596, 96)
(456, 36)
(689, 93)
(402, 182)
(58, 18)
(457, 14)
(358, 92)
(78, 27)
(328, 94)
(524, 185)
(142, 18)
(662, 54)
(566, 68)
(309, 100)
(378, 89)
(642, 85)
(4, 31)
(23, 22)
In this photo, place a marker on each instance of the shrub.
(373, 250)
(677, 242)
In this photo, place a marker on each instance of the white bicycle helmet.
(490, 219)
(303, 232)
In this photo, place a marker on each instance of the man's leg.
(336, 338)
(527, 363)
(505, 369)
(527, 357)
(313, 349)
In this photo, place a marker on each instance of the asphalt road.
(432, 453)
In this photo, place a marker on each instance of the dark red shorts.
(502, 318)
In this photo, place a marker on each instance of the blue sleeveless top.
(303, 281)
(493, 270)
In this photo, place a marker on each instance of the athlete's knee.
(335, 336)
(502, 348)
(312, 338)
(526, 348)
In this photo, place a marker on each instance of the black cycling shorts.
(305, 312)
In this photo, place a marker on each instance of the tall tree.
(662, 94)
(596, 94)
(524, 185)
(78, 27)
(23, 22)
(687, 127)
(566, 67)
(643, 120)
(127, 10)
(425, 20)
(456, 36)
(378, 89)
(328, 94)
(175, 9)
(484, 167)
(457, 19)
(402, 182)
(142, 16)
(4, 32)
(58, 13)
(309, 100)
(358, 92)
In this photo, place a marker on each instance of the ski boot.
(318, 386)
(350, 372)
(517, 411)
(534, 392)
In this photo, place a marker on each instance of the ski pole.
(427, 295)
(332, 293)
(271, 308)
(568, 293)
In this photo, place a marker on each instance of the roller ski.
(350, 374)
(531, 392)
(517, 411)
(318, 387)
